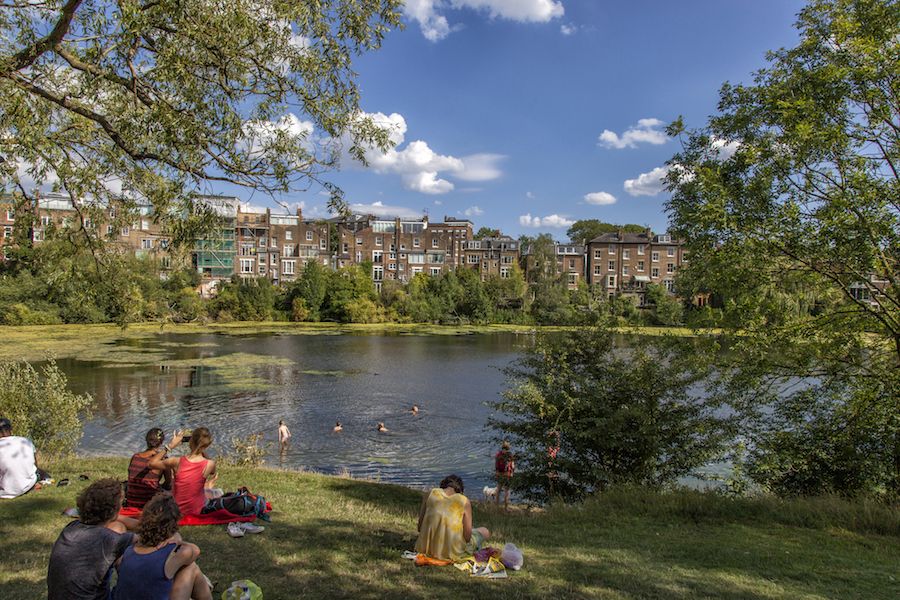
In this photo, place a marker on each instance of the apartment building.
(277, 246)
(399, 249)
(7, 224)
(492, 256)
(569, 262)
(625, 263)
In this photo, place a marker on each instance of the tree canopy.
(584, 230)
(162, 97)
(788, 200)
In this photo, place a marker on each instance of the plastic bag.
(512, 557)
(242, 590)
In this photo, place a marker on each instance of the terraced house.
(492, 256)
(625, 263)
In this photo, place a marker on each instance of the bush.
(21, 314)
(41, 407)
(247, 451)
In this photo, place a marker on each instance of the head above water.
(154, 438)
(201, 439)
(505, 445)
(5, 427)
(454, 482)
(281, 422)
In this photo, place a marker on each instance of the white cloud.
(569, 29)
(600, 198)
(554, 220)
(530, 195)
(260, 135)
(646, 131)
(435, 27)
(724, 149)
(421, 168)
(647, 184)
(381, 209)
(438, 203)
(473, 211)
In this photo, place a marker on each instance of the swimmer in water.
(382, 428)
(338, 427)
(415, 409)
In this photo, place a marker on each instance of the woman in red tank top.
(193, 473)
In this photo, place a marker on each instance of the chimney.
(620, 235)
(299, 212)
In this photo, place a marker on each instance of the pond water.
(238, 385)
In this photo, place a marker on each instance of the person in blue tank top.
(161, 566)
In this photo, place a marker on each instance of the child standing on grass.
(284, 434)
(504, 467)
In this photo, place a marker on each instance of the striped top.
(143, 482)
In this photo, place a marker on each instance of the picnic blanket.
(218, 517)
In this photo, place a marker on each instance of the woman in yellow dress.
(445, 523)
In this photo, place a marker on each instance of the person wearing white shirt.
(18, 470)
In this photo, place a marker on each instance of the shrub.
(247, 451)
(41, 407)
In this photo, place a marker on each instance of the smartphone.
(185, 438)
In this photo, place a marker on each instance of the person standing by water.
(504, 467)
(284, 434)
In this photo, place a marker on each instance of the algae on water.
(235, 372)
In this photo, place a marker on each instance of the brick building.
(624, 263)
(399, 249)
(277, 246)
(492, 256)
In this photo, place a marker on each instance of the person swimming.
(415, 409)
(382, 428)
(338, 427)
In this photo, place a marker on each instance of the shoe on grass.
(251, 528)
(235, 530)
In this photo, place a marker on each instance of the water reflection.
(358, 380)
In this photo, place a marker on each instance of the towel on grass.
(218, 517)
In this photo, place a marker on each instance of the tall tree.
(584, 230)
(486, 232)
(788, 199)
(161, 97)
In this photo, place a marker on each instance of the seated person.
(193, 474)
(143, 481)
(161, 566)
(445, 523)
(193, 482)
(83, 556)
(18, 470)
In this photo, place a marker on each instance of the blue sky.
(529, 114)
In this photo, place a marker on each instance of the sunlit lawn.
(342, 538)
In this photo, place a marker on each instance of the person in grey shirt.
(83, 556)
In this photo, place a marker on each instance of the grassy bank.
(36, 342)
(342, 538)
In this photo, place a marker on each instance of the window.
(378, 273)
(612, 249)
(247, 265)
(435, 271)
(146, 244)
(401, 267)
(435, 243)
(262, 242)
(597, 270)
(378, 240)
(392, 255)
(112, 213)
(38, 235)
(392, 266)
(640, 249)
(10, 216)
(654, 272)
(289, 235)
(345, 248)
(358, 257)
(359, 241)
(669, 285)
(403, 246)
(626, 254)
(262, 269)
(473, 259)
(571, 263)
(670, 267)
(322, 244)
(624, 270)
(273, 260)
(377, 256)
(611, 266)
(274, 242)
(598, 254)
(859, 292)
(145, 225)
(125, 231)
(417, 259)
(287, 267)
(670, 251)
(611, 281)
(506, 259)
(287, 251)
(7, 232)
(164, 244)
(45, 220)
(87, 224)
(415, 242)
(654, 256)
(109, 230)
(309, 236)
(573, 278)
(504, 272)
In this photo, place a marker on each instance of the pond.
(242, 384)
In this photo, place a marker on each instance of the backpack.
(241, 503)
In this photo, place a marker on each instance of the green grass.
(341, 538)
(104, 343)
